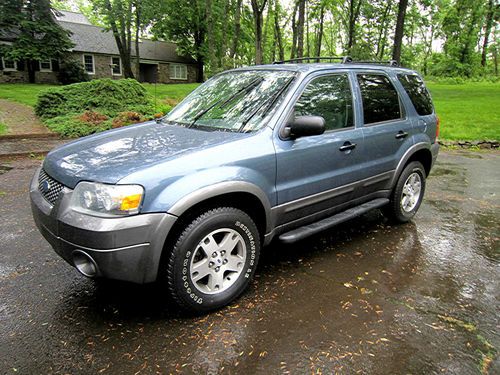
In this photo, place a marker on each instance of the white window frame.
(173, 72)
(5, 69)
(93, 63)
(119, 59)
(45, 70)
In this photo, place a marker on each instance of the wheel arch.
(419, 152)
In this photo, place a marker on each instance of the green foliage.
(71, 126)
(26, 19)
(104, 95)
(89, 107)
(72, 71)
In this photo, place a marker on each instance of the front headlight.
(107, 200)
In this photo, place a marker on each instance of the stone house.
(96, 49)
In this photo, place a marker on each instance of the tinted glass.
(380, 98)
(417, 92)
(329, 97)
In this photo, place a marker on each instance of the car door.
(387, 129)
(314, 172)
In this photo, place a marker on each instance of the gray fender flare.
(198, 196)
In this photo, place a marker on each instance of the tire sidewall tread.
(181, 289)
(394, 210)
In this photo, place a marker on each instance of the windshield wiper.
(222, 102)
(270, 104)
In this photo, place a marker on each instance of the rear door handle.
(401, 134)
(347, 146)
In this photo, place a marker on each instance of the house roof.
(67, 16)
(95, 39)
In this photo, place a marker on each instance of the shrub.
(127, 118)
(103, 95)
(72, 71)
(89, 107)
(72, 126)
(91, 117)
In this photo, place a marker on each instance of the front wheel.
(213, 260)
(407, 194)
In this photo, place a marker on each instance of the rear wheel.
(407, 194)
(213, 260)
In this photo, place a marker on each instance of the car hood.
(110, 156)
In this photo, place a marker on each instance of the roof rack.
(389, 62)
(342, 59)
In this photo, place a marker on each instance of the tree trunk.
(198, 44)
(487, 31)
(237, 29)
(383, 30)
(211, 37)
(300, 29)
(354, 9)
(398, 35)
(258, 20)
(319, 37)
(293, 50)
(30, 64)
(137, 34)
(277, 32)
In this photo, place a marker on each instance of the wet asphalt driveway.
(365, 297)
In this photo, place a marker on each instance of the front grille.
(49, 188)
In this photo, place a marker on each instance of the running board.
(319, 226)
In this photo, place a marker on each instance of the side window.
(329, 97)
(380, 98)
(417, 92)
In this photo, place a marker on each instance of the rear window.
(417, 92)
(380, 98)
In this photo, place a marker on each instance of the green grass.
(3, 128)
(468, 111)
(25, 93)
(173, 91)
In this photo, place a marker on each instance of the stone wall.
(164, 74)
(22, 77)
(102, 69)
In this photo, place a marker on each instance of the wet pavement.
(365, 297)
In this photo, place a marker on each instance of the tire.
(405, 201)
(213, 260)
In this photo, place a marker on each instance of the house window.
(116, 66)
(178, 71)
(45, 66)
(9, 65)
(88, 63)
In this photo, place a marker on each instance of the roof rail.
(343, 59)
(389, 62)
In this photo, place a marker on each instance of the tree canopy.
(33, 33)
(438, 37)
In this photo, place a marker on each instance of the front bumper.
(125, 248)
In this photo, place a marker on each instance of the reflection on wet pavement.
(365, 297)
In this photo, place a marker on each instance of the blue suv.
(276, 151)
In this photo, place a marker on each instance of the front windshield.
(233, 101)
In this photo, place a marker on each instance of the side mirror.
(304, 126)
